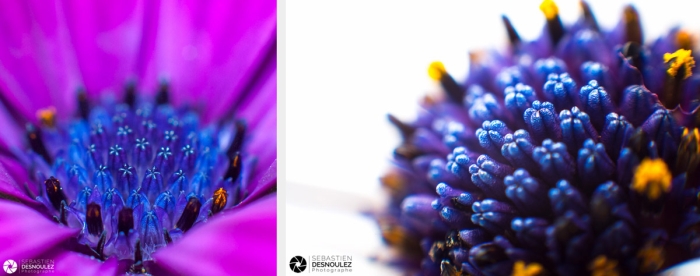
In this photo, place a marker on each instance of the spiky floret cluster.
(573, 154)
(134, 175)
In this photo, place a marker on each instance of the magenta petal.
(10, 173)
(38, 65)
(240, 242)
(25, 233)
(210, 51)
(12, 132)
(107, 38)
(263, 183)
(76, 264)
(260, 111)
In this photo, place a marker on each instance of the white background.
(350, 63)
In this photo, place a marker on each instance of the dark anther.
(601, 213)
(689, 151)
(234, 167)
(93, 219)
(452, 240)
(653, 207)
(489, 254)
(633, 27)
(219, 203)
(163, 96)
(126, 220)
(513, 35)
(83, 104)
(166, 236)
(237, 142)
(405, 129)
(437, 251)
(673, 87)
(54, 192)
(130, 94)
(633, 52)
(589, 17)
(554, 25)
(565, 229)
(639, 144)
(36, 143)
(137, 267)
(453, 89)
(190, 214)
(447, 269)
(407, 151)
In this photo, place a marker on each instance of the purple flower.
(574, 154)
(139, 137)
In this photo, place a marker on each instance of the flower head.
(575, 153)
(106, 170)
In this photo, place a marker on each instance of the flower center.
(135, 175)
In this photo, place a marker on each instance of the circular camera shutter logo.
(10, 266)
(297, 264)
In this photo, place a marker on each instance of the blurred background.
(350, 63)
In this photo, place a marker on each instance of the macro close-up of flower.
(139, 137)
(576, 153)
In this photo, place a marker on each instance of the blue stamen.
(596, 102)
(561, 90)
(576, 128)
(542, 121)
(616, 133)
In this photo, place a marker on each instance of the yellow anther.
(436, 70)
(531, 269)
(680, 58)
(550, 9)
(602, 266)
(693, 136)
(394, 181)
(630, 14)
(684, 40)
(392, 232)
(652, 258)
(689, 151)
(652, 178)
(47, 116)
(220, 197)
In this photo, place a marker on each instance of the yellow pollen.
(392, 232)
(684, 40)
(690, 138)
(696, 134)
(652, 178)
(393, 180)
(220, 198)
(47, 116)
(521, 269)
(436, 70)
(630, 14)
(680, 58)
(601, 266)
(652, 258)
(550, 9)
